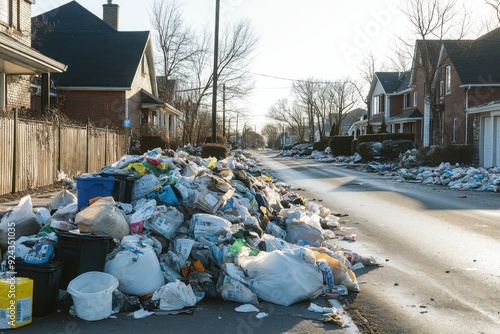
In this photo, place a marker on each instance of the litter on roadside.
(172, 228)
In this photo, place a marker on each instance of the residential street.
(438, 249)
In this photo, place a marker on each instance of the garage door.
(491, 141)
(496, 138)
(487, 142)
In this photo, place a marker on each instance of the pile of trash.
(196, 228)
(456, 176)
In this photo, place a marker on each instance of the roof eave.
(404, 120)
(151, 105)
(480, 85)
(483, 109)
(24, 55)
(94, 88)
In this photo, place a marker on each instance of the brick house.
(111, 77)
(18, 61)
(466, 81)
(394, 102)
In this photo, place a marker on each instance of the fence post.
(58, 144)
(106, 146)
(88, 148)
(14, 151)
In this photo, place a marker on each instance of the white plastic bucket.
(92, 294)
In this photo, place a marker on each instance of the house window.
(414, 99)
(143, 66)
(448, 79)
(455, 129)
(406, 101)
(5, 11)
(379, 104)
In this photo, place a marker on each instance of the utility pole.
(216, 63)
(223, 110)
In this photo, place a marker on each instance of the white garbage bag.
(174, 296)
(281, 277)
(137, 269)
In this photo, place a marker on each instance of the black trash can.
(46, 278)
(122, 191)
(81, 253)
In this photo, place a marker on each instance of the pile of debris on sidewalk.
(452, 176)
(160, 231)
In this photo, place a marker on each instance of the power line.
(276, 77)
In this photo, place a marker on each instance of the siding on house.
(20, 22)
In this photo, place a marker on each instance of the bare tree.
(323, 106)
(305, 91)
(344, 98)
(291, 115)
(495, 5)
(175, 43)
(432, 21)
(367, 69)
(235, 54)
(272, 133)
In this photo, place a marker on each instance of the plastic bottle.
(327, 272)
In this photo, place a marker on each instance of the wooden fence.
(33, 152)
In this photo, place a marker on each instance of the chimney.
(110, 14)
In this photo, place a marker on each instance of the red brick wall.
(481, 95)
(102, 108)
(397, 103)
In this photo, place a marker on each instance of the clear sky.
(298, 39)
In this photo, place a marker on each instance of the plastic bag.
(275, 230)
(342, 274)
(124, 161)
(62, 199)
(174, 296)
(298, 231)
(43, 214)
(136, 267)
(280, 277)
(235, 291)
(36, 249)
(166, 222)
(41, 252)
(143, 185)
(208, 226)
(64, 214)
(22, 219)
(103, 217)
(183, 247)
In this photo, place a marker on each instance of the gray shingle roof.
(96, 54)
(393, 82)
(413, 113)
(476, 62)
(73, 17)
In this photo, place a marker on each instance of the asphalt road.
(438, 250)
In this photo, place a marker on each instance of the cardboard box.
(16, 302)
